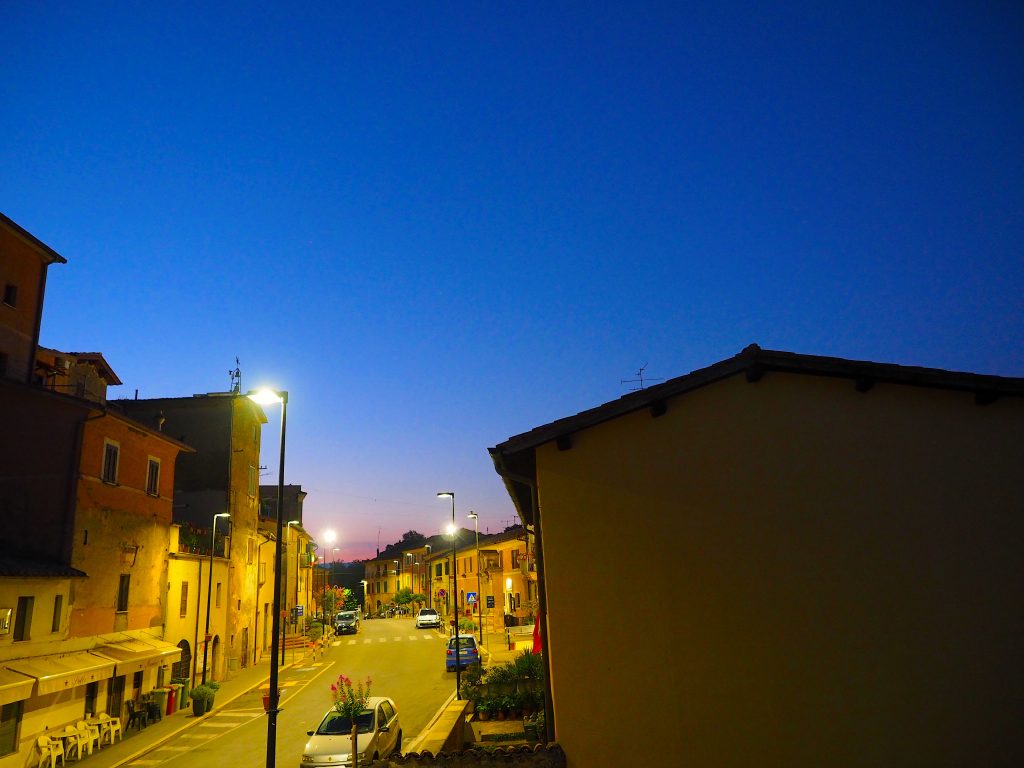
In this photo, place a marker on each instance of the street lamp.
(268, 397)
(479, 614)
(296, 606)
(455, 596)
(209, 587)
(364, 583)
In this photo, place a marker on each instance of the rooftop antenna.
(639, 378)
(236, 378)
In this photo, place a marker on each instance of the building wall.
(120, 529)
(789, 573)
(21, 265)
(39, 468)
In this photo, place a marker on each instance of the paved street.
(403, 662)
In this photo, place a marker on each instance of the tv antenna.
(639, 378)
(236, 377)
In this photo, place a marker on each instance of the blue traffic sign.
(471, 597)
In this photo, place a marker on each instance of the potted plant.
(202, 699)
(483, 708)
(214, 687)
(351, 701)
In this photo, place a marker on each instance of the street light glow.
(451, 529)
(265, 396)
(330, 536)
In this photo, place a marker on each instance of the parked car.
(379, 734)
(468, 653)
(346, 622)
(427, 617)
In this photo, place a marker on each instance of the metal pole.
(455, 607)
(479, 595)
(273, 708)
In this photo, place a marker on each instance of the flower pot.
(484, 715)
(499, 715)
(199, 707)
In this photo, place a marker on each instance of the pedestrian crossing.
(395, 639)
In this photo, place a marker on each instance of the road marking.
(198, 736)
(172, 749)
(397, 640)
(413, 637)
(367, 641)
(211, 724)
(352, 642)
(382, 640)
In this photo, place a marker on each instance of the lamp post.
(479, 614)
(267, 397)
(455, 597)
(364, 583)
(295, 608)
(329, 538)
(209, 587)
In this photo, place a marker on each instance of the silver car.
(379, 734)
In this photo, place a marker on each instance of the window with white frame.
(111, 458)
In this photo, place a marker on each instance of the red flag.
(537, 648)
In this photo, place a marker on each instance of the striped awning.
(137, 655)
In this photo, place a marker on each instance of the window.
(23, 619)
(445, 567)
(515, 558)
(58, 608)
(10, 725)
(254, 479)
(111, 453)
(217, 603)
(11, 295)
(183, 605)
(437, 569)
(263, 573)
(122, 592)
(153, 477)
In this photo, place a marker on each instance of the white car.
(427, 617)
(379, 734)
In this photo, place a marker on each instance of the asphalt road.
(404, 663)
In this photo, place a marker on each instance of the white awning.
(63, 673)
(14, 687)
(136, 655)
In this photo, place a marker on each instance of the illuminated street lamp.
(455, 596)
(209, 586)
(479, 614)
(268, 397)
(364, 583)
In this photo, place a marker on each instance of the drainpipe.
(549, 704)
(256, 624)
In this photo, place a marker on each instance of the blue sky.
(439, 227)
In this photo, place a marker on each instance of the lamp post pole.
(455, 599)
(479, 613)
(266, 397)
(209, 588)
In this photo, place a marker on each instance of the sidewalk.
(136, 743)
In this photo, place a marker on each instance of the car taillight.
(473, 651)
(449, 651)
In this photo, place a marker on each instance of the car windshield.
(336, 724)
(428, 612)
(464, 642)
(347, 616)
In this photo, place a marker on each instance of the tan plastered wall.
(789, 573)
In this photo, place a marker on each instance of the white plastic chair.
(88, 733)
(110, 727)
(49, 750)
(74, 741)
